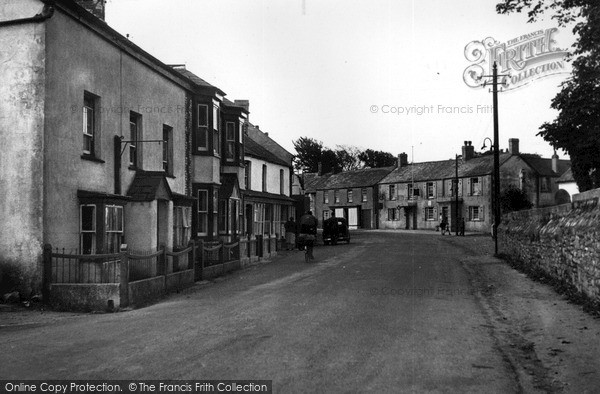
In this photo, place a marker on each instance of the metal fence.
(145, 265)
(69, 267)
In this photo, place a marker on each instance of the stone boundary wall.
(561, 241)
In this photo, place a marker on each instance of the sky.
(349, 72)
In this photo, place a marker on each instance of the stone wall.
(562, 241)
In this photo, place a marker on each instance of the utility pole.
(496, 158)
(456, 195)
(496, 191)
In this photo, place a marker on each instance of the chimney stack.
(555, 162)
(468, 151)
(244, 104)
(96, 7)
(513, 146)
(402, 160)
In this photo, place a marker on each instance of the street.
(390, 312)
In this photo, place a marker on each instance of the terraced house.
(105, 146)
(419, 195)
(350, 194)
(267, 184)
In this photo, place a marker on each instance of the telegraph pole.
(496, 159)
(456, 195)
(496, 190)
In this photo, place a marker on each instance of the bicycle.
(307, 244)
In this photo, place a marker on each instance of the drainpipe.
(46, 13)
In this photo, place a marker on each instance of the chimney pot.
(513, 146)
(402, 160)
(468, 151)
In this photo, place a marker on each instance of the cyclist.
(308, 232)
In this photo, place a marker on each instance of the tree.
(329, 162)
(348, 157)
(576, 129)
(514, 199)
(308, 154)
(376, 158)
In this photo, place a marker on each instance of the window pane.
(230, 154)
(88, 124)
(203, 200)
(202, 115)
(202, 137)
(133, 137)
(119, 219)
(88, 243)
(230, 131)
(88, 218)
(216, 142)
(165, 148)
(215, 117)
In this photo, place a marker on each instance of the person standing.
(308, 232)
(444, 225)
(290, 233)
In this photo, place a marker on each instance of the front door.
(353, 218)
(366, 218)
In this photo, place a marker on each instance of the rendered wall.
(273, 181)
(22, 91)
(80, 60)
(140, 226)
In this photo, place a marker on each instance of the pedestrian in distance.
(308, 233)
(462, 227)
(444, 225)
(290, 233)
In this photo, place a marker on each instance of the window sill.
(92, 158)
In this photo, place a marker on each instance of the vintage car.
(335, 230)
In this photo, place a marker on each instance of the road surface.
(391, 312)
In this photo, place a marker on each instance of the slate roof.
(254, 149)
(353, 179)
(567, 176)
(266, 196)
(478, 166)
(544, 166)
(229, 103)
(268, 143)
(444, 169)
(313, 181)
(196, 79)
(145, 185)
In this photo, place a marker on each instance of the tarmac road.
(391, 312)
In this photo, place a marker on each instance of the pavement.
(394, 311)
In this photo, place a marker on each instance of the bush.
(11, 277)
(514, 199)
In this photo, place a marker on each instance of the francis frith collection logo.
(523, 59)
